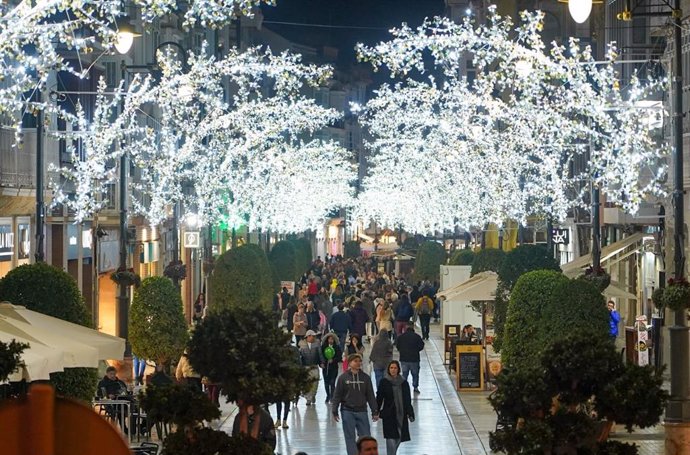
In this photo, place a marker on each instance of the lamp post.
(40, 204)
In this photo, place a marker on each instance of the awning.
(615, 290)
(76, 354)
(576, 268)
(481, 286)
(109, 347)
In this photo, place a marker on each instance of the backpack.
(425, 308)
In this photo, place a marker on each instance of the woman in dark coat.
(330, 346)
(395, 407)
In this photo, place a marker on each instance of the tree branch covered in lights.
(36, 36)
(501, 146)
(251, 158)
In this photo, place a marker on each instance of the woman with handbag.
(395, 407)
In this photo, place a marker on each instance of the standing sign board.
(642, 346)
(290, 285)
(469, 367)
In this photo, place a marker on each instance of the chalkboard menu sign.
(470, 370)
(469, 367)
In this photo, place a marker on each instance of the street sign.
(561, 236)
(192, 239)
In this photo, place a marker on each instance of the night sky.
(379, 14)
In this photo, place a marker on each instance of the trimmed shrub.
(576, 305)
(523, 259)
(284, 258)
(268, 286)
(462, 257)
(244, 350)
(240, 278)
(524, 319)
(46, 289)
(303, 246)
(410, 243)
(430, 256)
(487, 260)
(157, 327)
(352, 249)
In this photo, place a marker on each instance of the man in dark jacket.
(403, 315)
(341, 323)
(409, 345)
(291, 310)
(353, 390)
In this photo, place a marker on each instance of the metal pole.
(678, 408)
(122, 294)
(40, 205)
(596, 229)
(176, 239)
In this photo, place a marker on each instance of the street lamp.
(125, 35)
(580, 9)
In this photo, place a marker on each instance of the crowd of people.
(341, 308)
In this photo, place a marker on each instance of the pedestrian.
(299, 324)
(384, 317)
(395, 407)
(409, 345)
(353, 391)
(359, 318)
(341, 324)
(139, 364)
(367, 445)
(403, 315)
(185, 373)
(291, 310)
(354, 346)
(284, 406)
(332, 355)
(313, 318)
(614, 319)
(424, 308)
(255, 422)
(312, 358)
(381, 355)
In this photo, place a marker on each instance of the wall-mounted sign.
(561, 236)
(192, 239)
(6, 242)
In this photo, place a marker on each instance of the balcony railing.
(18, 161)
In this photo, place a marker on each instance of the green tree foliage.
(430, 256)
(303, 246)
(284, 258)
(206, 441)
(410, 243)
(524, 320)
(178, 404)
(244, 350)
(522, 259)
(10, 358)
(352, 249)
(487, 260)
(46, 289)
(240, 278)
(462, 257)
(157, 327)
(556, 405)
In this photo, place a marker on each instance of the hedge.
(524, 319)
(303, 246)
(284, 258)
(352, 249)
(240, 278)
(524, 259)
(46, 289)
(157, 327)
(487, 260)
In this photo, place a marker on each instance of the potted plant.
(126, 277)
(176, 270)
(676, 295)
(598, 277)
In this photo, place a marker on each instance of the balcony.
(18, 161)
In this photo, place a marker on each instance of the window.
(111, 76)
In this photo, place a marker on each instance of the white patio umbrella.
(109, 347)
(76, 354)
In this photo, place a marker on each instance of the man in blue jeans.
(353, 390)
(409, 345)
